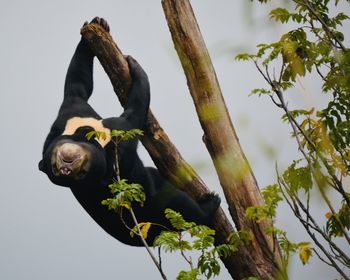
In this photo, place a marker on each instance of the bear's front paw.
(100, 21)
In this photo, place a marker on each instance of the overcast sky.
(44, 233)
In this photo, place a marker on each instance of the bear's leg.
(200, 212)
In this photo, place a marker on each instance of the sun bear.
(86, 166)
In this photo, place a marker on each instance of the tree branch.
(164, 154)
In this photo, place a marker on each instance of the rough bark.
(235, 175)
(164, 154)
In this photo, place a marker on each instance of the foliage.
(121, 135)
(187, 237)
(304, 253)
(297, 178)
(336, 221)
(126, 135)
(124, 195)
(272, 196)
(314, 48)
(123, 192)
(96, 134)
(170, 240)
(144, 228)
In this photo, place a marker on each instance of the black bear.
(87, 166)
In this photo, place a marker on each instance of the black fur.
(92, 188)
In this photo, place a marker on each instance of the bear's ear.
(41, 165)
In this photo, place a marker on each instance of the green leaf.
(275, 231)
(125, 194)
(225, 250)
(297, 178)
(177, 221)
(297, 113)
(292, 44)
(287, 74)
(96, 134)
(126, 135)
(188, 275)
(208, 266)
(90, 135)
(110, 202)
(287, 246)
(117, 133)
(285, 85)
(280, 14)
(298, 18)
(168, 240)
(339, 18)
(272, 196)
(243, 57)
(338, 220)
(132, 133)
(257, 213)
(260, 91)
(238, 238)
(205, 238)
(273, 54)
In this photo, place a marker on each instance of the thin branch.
(308, 206)
(275, 102)
(296, 127)
(139, 233)
(339, 257)
(321, 232)
(334, 264)
(146, 245)
(320, 257)
(116, 160)
(261, 72)
(324, 25)
(329, 39)
(159, 256)
(281, 73)
(311, 234)
(189, 261)
(313, 225)
(292, 121)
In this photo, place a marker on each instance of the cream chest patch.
(74, 123)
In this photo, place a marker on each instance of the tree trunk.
(235, 175)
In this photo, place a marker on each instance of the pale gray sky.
(45, 234)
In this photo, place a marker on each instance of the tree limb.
(164, 154)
